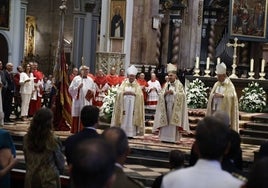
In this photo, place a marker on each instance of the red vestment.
(112, 80)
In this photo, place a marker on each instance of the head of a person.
(27, 67)
(142, 76)
(90, 115)
(172, 72)
(119, 141)
(122, 72)
(112, 71)
(75, 71)
(222, 116)
(100, 73)
(258, 174)
(93, 165)
(176, 159)
(132, 72)
(84, 70)
(166, 78)
(9, 67)
(221, 72)
(153, 76)
(212, 138)
(20, 69)
(35, 66)
(39, 133)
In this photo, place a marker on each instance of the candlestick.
(197, 62)
(262, 65)
(208, 62)
(251, 65)
(218, 60)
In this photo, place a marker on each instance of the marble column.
(176, 41)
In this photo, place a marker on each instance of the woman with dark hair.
(26, 90)
(42, 152)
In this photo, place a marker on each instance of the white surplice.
(78, 95)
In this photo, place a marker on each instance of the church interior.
(194, 35)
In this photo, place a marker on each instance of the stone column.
(23, 11)
(176, 41)
(211, 41)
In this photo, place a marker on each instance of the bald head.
(223, 117)
(118, 139)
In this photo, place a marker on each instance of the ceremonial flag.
(63, 103)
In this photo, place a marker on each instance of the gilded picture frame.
(248, 20)
(4, 14)
(30, 32)
(117, 19)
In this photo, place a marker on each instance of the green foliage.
(197, 94)
(253, 98)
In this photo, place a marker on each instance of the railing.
(106, 60)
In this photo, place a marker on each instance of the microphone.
(168, 86)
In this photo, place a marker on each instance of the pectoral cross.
(234, 45)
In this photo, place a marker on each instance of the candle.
(262, 65)
(197, 62)
(251, 65)
(218, 60)
(208, 61)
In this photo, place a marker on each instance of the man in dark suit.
(8, 92)
(119, 141)
(89, 118)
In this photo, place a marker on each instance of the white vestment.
(26, 91)
(171, 115)
(153, 90)
(129, 103)
(78, 95)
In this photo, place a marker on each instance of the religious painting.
(30, 28)
(4, 14)
(118, 16)
(247, 20)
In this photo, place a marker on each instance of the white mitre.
(221, 68)
(171, 67)
(132, 70)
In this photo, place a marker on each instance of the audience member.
(211, 142)
(171, 116)
(7, 158)
(93, 165)
(42, 152)
(232, 161)
(3, 84)
(119, 141)
(8, 92)
(258, 175)
(17, 96)
(89, 118)
(26, 90)
(129, 106)
(82, 89)
(176, 161)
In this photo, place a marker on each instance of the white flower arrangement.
(106, 110)
(196, 95)
(253, 98)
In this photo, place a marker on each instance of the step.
(252, 140)
(261, 118)
(254, 133)
(256, 126)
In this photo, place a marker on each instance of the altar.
(239, 83)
